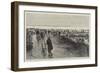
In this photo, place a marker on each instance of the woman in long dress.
(36, 52)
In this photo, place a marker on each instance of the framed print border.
(15, 35)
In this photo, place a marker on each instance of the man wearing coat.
(49, 46)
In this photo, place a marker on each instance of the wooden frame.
(15, 39)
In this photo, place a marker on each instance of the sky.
(57, 19)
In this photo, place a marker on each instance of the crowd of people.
(39, 43)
